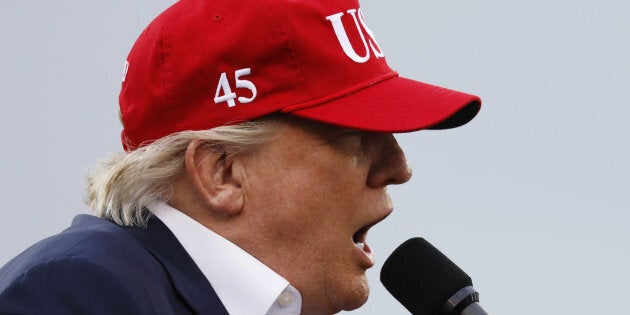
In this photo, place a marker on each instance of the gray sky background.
(530, 199)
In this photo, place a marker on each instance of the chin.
(350, 295)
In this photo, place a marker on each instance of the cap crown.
(207, 63)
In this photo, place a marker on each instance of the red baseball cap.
(207, 63)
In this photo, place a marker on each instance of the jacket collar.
(187, 279)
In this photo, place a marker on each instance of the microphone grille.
(420, 277)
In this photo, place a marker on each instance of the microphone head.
(420, 277)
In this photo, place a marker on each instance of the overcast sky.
(530, 199)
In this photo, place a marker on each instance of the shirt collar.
(244, 284)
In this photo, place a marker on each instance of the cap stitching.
(339, 94)
(169, 97)
(283, 28)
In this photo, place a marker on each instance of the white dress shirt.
(245, 285)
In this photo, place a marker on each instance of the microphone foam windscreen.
(420, 277)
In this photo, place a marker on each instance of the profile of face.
(310, 196)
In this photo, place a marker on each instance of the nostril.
(402, 178)
(392, 173)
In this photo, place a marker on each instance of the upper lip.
(360, 235)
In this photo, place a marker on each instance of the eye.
(350, 141)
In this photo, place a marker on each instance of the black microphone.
(426, 282)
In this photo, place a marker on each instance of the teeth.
(361, 246)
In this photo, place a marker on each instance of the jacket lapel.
(187, 279)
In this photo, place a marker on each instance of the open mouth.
(360, 235)
(359, 242)
(359, 238)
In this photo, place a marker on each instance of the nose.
(390, 166)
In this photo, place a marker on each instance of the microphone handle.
(464, 302)
(474, 309)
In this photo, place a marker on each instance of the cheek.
(310, 214)
(288, 210)
(310, 190)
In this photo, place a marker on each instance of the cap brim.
(397, 105)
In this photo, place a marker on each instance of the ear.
(211, 175)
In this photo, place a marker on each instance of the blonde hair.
(121, 186)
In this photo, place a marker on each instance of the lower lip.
(367, 257)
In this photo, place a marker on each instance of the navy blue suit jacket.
(98, 267)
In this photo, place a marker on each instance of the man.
(258, 149)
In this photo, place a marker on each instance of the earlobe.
(210, 172)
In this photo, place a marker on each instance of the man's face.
(311, 194)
